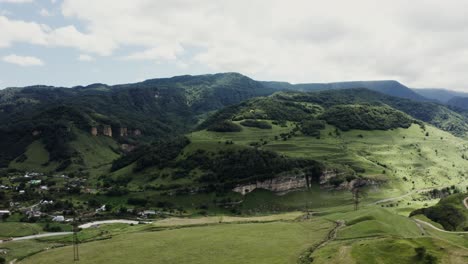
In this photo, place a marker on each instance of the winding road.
(83, 226)
(418, 222)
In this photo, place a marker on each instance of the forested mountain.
(147, 110)
(279, 105)
(139, 113)
(459, 102)
(392, 88)
(440, 95)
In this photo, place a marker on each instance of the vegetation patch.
(449, 212)
(256, 123)
(366, 117)
(225, 126)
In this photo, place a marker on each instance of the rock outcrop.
(137, 132)
(123, 132)
(281, 184)
(107, 131)
(94, 131)
(287, 182)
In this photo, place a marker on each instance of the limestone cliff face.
(123, 132)
(137, 132)
(127, 147)
(94, 131)
(281, 184)
(107, 131)
(287, 182)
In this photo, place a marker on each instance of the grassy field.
(407, 158)
(95, 154)
(37, 156)
(275, 242)
(375, 235)
(15, 229)
(369, 235)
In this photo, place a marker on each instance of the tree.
(2, 260)
(420, 252)
(358, 192)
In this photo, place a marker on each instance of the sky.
(421, 43)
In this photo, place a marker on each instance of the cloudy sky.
(421, 43)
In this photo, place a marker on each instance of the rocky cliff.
(287, 182)
(106, 130)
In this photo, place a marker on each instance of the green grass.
(276, 242)
(96, 153)
(36, 155)
(400, 156)
(377, 235)
(15, 229)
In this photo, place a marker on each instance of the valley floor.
(331, 235)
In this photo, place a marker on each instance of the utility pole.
(356, 198)
(76, 255)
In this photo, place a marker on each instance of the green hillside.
(450, 212)
(294, 177)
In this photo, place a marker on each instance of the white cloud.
(85, 57)
(16, 1)
(45, 13)
(69, 36)
(419, 42)
(161, 52)
(22, 60)
(297, 40)
(20, 31)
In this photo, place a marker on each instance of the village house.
(58, 218)
(4, 213)
(101, 209)
(147, 213)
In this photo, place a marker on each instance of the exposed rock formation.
(123, 132)
(280, 184)
(137, 132)
(107, 131)
(127, 147)
(36, 133)
(94, 131)
(289, 182)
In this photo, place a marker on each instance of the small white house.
(4, 212)
(58, 218)
(148, 213)
(101, 209)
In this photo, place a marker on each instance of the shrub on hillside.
(225, 126)
(312, 127)
(366, 117)
(256, 123)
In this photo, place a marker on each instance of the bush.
(137, 201)
(366, 117)
(225, 126)
(256, 123)
(312, 127)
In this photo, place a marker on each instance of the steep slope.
(392, 88)
(214, 91)
(311, 102)
(459, 102)
(289, 140)
(128, 113)
(440, 95)
(432, 113)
